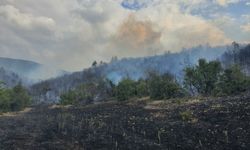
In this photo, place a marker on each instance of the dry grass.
(13, 114)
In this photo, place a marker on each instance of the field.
(201, 123)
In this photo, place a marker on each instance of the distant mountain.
(29, 70)
(135, 68)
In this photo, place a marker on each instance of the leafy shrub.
(141, 88)
(209, 78)
(14, 99)
(19, 98)
(5, 100)
(232, 81)
(126, 89)
(69, 98)
(203, 77)
(156, 86)
(163, 86)
(80, 95)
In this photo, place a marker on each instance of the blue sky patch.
(238, 9)
(134, 4)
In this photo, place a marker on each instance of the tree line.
(205, 78)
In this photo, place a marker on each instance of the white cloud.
(226, 2)
(246, 27)
(26, 21)
(246, 17)
(72, 34)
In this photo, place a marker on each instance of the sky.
(71, 34)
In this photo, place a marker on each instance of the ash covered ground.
(202, 123)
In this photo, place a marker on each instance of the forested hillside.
(134, 68)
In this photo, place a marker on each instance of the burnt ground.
(221, 123)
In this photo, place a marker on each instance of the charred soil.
(219, 123)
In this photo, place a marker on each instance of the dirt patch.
(13, 114)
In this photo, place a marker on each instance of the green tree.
(163, 86)
(14, 99)
(94, 64)
(141, 88)
(190, 80)
(80, 95)
(171, 88)
(19, 98)
(69, 98)
(4, 100)
(232, 81)
(126, 89)
(156, 86)
(203, 77)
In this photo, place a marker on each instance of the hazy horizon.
(72, 34)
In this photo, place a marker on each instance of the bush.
(69, 98)
(163, 86)
(80, 95)
(156, 86)
(171, 88)
(232, 81)
(209, 78)
(126, 89)
(14, 99)
(202, 78)
(141, 88)
(19, 98)
(4, 100)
